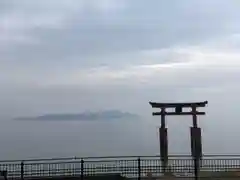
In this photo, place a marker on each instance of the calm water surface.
(36, 139)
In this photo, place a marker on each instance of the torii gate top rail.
(178, 108)
(172, 105)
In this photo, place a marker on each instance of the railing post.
(82, 169)
(4, 174)
(22, 170)
(139, 168)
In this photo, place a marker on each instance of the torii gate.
(195, 131)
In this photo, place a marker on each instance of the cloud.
(183, 65)
(106, 5)
(21, 18)
(87, 31)
(204, 65)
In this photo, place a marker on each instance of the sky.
(77, 55)
(71, 56)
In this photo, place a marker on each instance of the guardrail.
(131, 167)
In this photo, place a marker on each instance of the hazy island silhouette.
(84, 116)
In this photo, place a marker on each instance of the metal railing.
(131, 167)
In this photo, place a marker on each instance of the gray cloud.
(87, 35)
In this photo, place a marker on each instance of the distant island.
(85, 116)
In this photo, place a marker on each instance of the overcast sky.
(76, 55)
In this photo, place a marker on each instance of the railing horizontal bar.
(17, 162)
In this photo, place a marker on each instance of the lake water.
(36, 139)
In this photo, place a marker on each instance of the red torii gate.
(195, 131)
